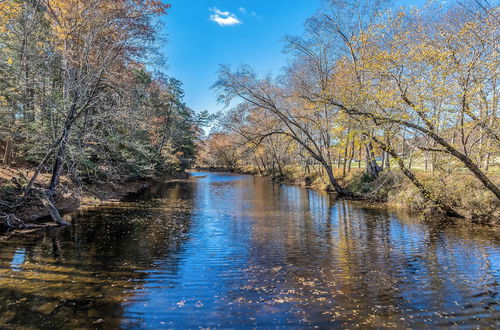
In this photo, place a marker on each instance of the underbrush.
(70, 197)
(378, 189)
(461, 191)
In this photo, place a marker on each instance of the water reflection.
(234, 251)
(80, 277)
(18, 260)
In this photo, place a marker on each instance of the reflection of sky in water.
(18, 260)
(207, 266)
(263, 254)
(232, 251)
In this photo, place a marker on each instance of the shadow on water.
(79, 277)
(223, 250)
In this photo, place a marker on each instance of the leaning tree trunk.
(464, 158)
(428, 195)
(61, 153)
(54, 213)
(59, 163)
(329, 171)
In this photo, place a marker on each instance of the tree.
(77, 99)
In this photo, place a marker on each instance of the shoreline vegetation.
(72, 199)
(397, 105)
(392, 190)
(85, 106)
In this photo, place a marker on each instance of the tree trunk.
(265, 166)
(279, 166)
(359, 155)
(487, 161)
(63, 141)
(351, 157)
(372, 168)
(333, 181)
(9, 153)
(54, 213)
(344, 166)
(59, 163)
(258, 166)
(426, 193)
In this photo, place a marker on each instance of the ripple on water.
(238, 251)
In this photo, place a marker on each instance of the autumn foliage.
(375, 89)
(82, 94)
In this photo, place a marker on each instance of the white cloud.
(224, 18)
(243, 10)
(220, 12)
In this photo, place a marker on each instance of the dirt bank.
(71, 197)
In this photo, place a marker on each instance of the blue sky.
(205, 33)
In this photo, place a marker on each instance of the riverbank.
(218, 250)
(72, 196)
(393, 190)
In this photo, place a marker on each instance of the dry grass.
(460, 190)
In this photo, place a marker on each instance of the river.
(232, 251)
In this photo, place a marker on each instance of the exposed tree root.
(10, 221)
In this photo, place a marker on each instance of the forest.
(249, 164)
(377, 103)
(83, 101)
(395, 105)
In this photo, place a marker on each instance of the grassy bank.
(460, 190)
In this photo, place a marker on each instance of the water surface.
(231, 251)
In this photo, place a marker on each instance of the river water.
(231, 251)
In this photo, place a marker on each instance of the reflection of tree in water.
(299, 258)
(79, 277)
(323, 262)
